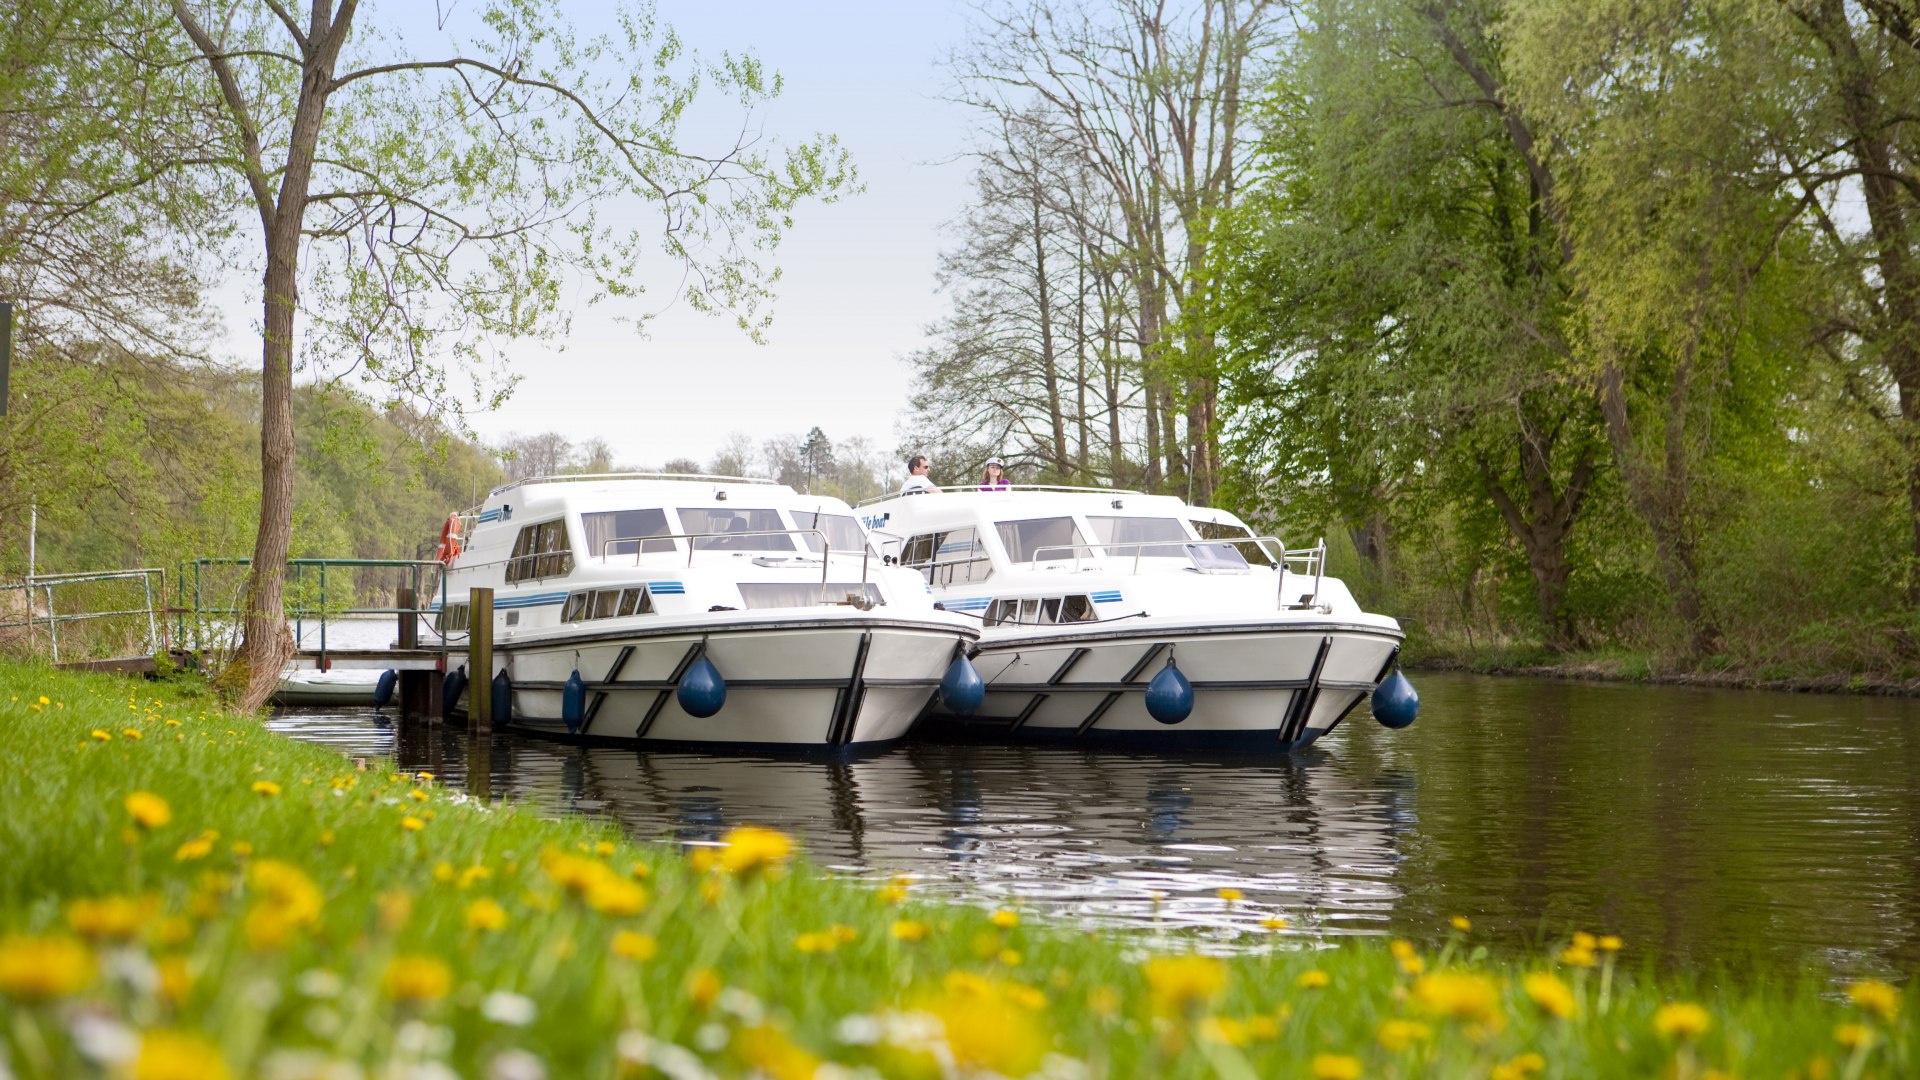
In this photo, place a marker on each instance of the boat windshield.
(843, 532)
(1150, 537)
(719, 519)
(1055, 538)
(1250, 550)
(623, 526)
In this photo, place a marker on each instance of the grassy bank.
(187, 895)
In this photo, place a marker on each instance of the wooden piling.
(416, 687)
(480, 661)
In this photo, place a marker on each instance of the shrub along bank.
(188, 895)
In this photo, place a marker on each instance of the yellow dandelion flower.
(1230, 894)
(1611, 943)
(1226, 1030)
(1004, 919)
(893, 894)
(751, 849)
(991, 1025)
(132, 733)
(107, 917)
(603, 848)
(417, 978)
(412, 824)
(1554, 997)
(842, 932)
(1520, 1068)
(815, 941)
(617, 896)
(1681, 1020)
(45, 700)
(1854, 1036)
(703, 859)
(1180, 984)
(630, 945)
(1397, 1035)
(1578, 956)
(1584, 940)
(102, 736)
(1881, 999)
(1009, 958)
(769, 1052)
(43, 968)
(642, 870)
(1458, 994)
(1462, 923)
(472, 875)
(712, 889)
(178, 1055)
(486, 914)
(424, 777)
(703, 988)
(266, 787)
(176, 978)
(909, 930)
(149, 811)
(1104, 1001)
(172, 722)
(197, 848)
(1335, 1067)
(1313, 980)
(1263, 1027)
(417, 795)
(1273, 922)
(242, 848)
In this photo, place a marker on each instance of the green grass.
(319, 931)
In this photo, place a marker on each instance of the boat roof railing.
(573, 478)
(969, 489)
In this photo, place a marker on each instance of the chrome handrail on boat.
(1316, 558)
(970, 489)
(1032, 563)
(573, 478)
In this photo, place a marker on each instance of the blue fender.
(383, 689)
(961, 688)
(502, 699)
(573, 702)
(702, 690)
(451, 689)
(1170, 695)
(1395, 701)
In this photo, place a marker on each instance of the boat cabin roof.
(960, 507)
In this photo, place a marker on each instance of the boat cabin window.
(540, 551)
(615, 532)
(1042, 538)
(1040, 611)
(1221, 530)
(948, 557)
(793, 594)
(723, 520)
(607, 604)
(1148, 537)
(452, 619)
(843, 532)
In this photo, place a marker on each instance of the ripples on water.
(1705, 826)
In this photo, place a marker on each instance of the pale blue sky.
(858, 285)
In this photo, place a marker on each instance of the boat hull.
(832, 684)
(1274, 686)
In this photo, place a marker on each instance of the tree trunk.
(1049, 362)
(1542, 518)
(267, 645)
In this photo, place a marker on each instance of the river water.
(1707, 827)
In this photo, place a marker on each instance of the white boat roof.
(625, 491)
(966, 505)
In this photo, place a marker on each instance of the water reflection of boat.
(1086, 834)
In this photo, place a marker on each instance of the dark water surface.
(1704, 826)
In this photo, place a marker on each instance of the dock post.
(480, 662)
(416, 687)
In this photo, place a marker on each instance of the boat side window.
(946, 558)
(1248, 549)
(452, 619)
(540, 551)
(1148, 537)
(724, 520)
(1040, 611)
(578, 604)
(1050, 538)
(607, 604)
(613, 532)
(636, 602)
(843, 532)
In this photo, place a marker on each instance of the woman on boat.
(994, 477)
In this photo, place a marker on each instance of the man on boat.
(917, 482)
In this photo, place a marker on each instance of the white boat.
(710, 611)
(1086, 597)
